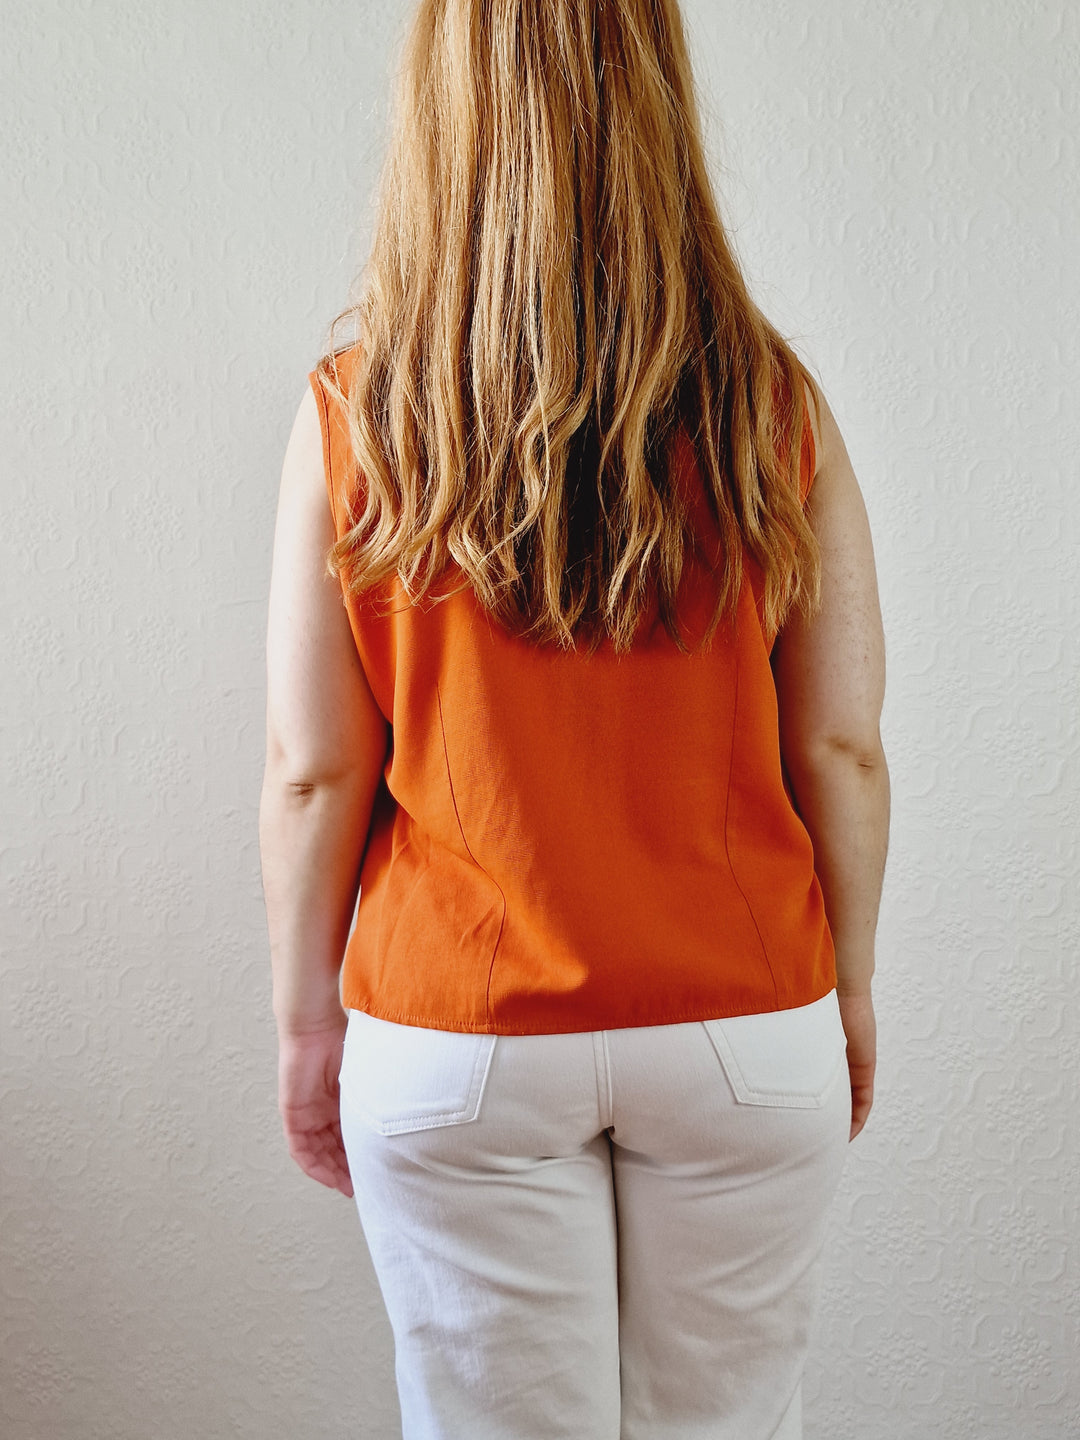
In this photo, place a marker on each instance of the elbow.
(303, 760)
(863, 751)
(300, 777)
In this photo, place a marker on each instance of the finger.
(321, 1155)
(861, 1102)
(328, 1171)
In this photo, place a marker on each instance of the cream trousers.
(608, 1235)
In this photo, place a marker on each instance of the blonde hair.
(550, 295)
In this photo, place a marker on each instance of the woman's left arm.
(326, 745)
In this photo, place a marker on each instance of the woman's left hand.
(309, 1102)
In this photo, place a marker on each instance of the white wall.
(187, 193)
(906, 183)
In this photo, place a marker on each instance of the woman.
(595, 737)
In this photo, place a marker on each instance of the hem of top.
(697, 1014)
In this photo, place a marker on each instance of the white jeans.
(608, 1235)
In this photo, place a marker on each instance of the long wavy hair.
(549, 297)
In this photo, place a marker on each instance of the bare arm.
(326, 744)
(830, 683)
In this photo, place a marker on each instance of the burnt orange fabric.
(563, 842)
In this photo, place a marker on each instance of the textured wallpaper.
(186, 194)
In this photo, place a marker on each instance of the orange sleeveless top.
(563, 842)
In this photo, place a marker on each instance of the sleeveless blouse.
(564, 842)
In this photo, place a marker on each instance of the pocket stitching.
(435, 1119)
(745, 1094)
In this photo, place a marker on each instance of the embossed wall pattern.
(186, 194)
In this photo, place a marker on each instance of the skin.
(830, 685)
(327, 744)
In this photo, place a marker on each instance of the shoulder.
(305, 454)
(814, 400)
(831, 459)
(333, 374)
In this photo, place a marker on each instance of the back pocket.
(402, 1078)
(786, 1058)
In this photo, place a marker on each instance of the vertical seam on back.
(468, 851)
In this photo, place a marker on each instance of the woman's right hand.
(860, 1027)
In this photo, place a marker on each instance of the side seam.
(727, 822)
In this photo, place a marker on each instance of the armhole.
(324, 430)
(808, 457)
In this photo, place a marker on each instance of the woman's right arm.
(830, 685)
